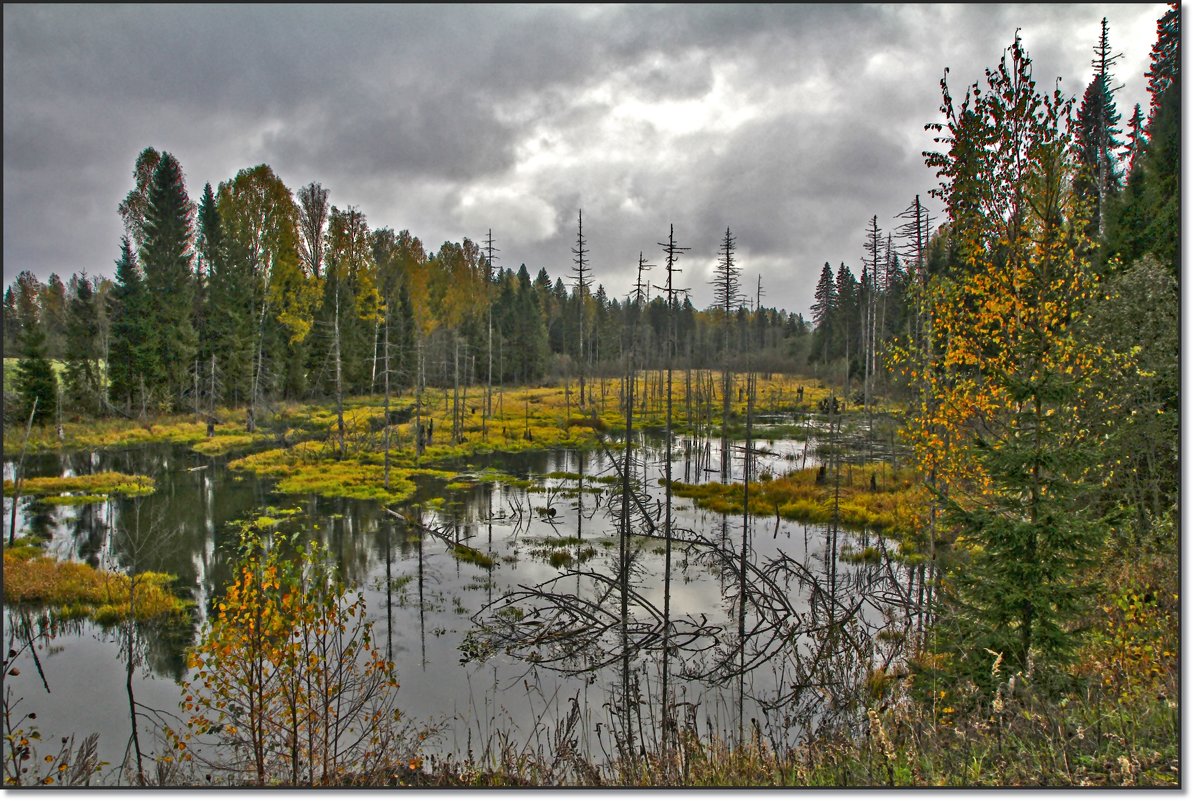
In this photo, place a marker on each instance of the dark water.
(427, 604)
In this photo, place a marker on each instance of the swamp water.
(463, 634)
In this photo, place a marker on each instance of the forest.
(982, 423)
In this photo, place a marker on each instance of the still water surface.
(425, 602)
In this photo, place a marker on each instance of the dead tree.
(727, 297)
(582, 282)
(673, 253)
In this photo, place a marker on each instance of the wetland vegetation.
(300, 503)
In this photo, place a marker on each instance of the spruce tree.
(53, 316)
(131, 355)
(846, 327)
(170, 281)
(1162, 165)
(1010, 384)
(1137, 141)
(1098, 135)
(12, 323)
(35, 380)
(82, 347)
(824, 308)
(208, 249)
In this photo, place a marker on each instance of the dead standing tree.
(673, 253)
(627, 509)
(583, 281)
(489, 251)
(727, 297)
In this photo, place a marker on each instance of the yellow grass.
(77, 589)
(893, 508)
(95, 486)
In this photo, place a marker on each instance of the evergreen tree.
(1162, 191)
(1146, 218)
(823, 309)
(131, 354)
(1137, 141)
(1010, 384)
(1165, 68)
(135, 205)
(170, 281)
(83, 388)
(1098, 135)
(28, 294)
(12, 322)
(35, 380)
(208, 249)
(53, 316)
(529, 344)
(847, 328)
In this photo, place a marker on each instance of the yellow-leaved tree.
(1003, 374)
(286, 686)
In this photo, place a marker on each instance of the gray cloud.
(793, 124)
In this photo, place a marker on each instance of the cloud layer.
(791, 124)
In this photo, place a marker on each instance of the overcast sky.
(790, 124)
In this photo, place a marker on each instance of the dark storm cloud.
(793, 124)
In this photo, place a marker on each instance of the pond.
(813, 619)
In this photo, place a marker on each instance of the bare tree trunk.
(745, 550)
(252, 426)
(20, 474)
(386, 412)
(339, 378)
(130, 644)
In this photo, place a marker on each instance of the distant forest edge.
(257, 292)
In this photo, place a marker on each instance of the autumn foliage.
(286, 685)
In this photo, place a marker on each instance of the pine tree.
(847, 326)
(530, 339)
(1146, 217)
(170, 281)
(1165, 68)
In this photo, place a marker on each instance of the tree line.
(257, 294)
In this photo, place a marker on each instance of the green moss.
(868, 555)
(472, 556)
(26, 547)
(562, 542)
(892, 505)
(92, 486)
(223, 443)
(560, 558)
(71, 500)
